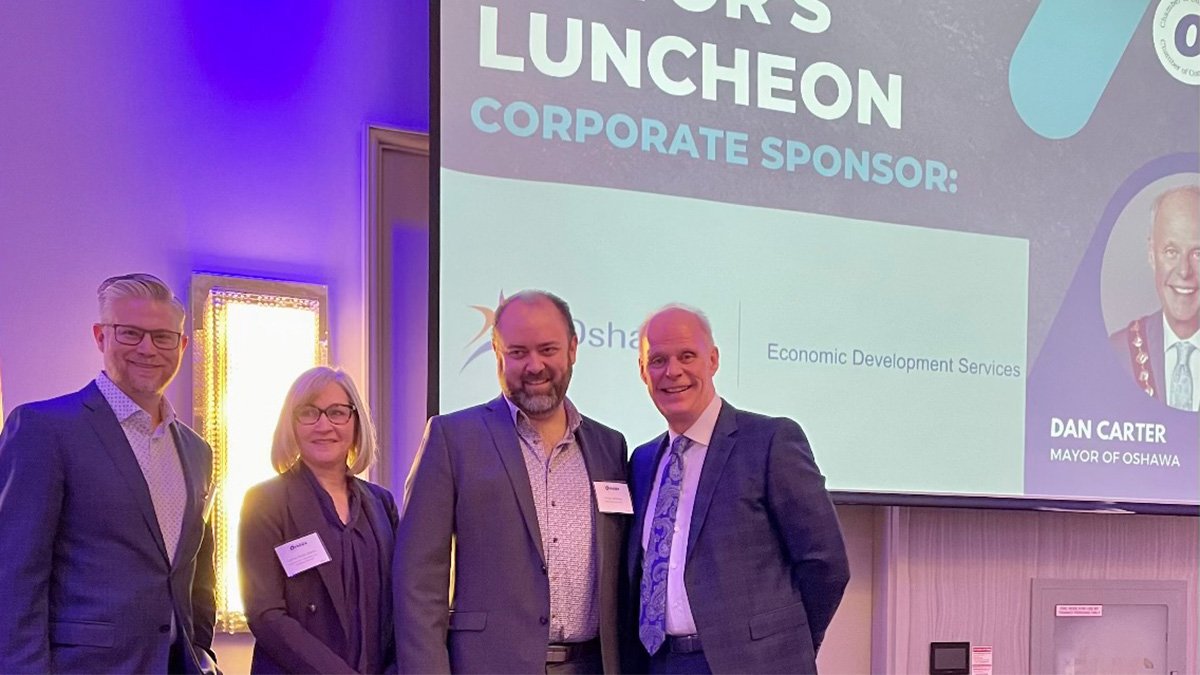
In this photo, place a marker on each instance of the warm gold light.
(254, 337)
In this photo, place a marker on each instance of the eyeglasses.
(133, 336)
(338, 413)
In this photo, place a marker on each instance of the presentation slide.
(959, 243)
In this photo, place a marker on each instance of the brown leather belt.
(570, 651)
(684, 644)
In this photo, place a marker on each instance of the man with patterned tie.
(735, 560)
(107, 563)
(506, 561)
(1160, 349)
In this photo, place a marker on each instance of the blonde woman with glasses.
(315, 546)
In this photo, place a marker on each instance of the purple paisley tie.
(652, 625)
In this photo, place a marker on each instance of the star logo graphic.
(489, 320)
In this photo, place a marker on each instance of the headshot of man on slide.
(1159, 349)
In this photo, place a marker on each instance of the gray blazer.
(469, 487)
(766, 565)
(88, 586)
(295, 620)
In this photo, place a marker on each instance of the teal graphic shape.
(1065, 59)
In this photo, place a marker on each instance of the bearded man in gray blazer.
(506, 560)
(735, 561)
(107, 558)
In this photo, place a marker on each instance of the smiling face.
(1175, 257)
(678, 361)
(325, 445)
(142, 371)
(535, 354)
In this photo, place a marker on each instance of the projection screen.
(957, 242)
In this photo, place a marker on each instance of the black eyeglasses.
(133, 336)
(338, 413)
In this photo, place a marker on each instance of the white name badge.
(613, 497)
(302, 554)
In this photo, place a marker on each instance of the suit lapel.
(719, 448)
(644, 481)
(646, 484)
(189, 535)
(591, 462)
(381, 525)
(305, 510)
(504, 435)
(585, 440)
(112, 438)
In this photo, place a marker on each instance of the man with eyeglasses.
(106, 559)
(515, 505)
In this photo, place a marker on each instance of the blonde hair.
(285, 449)
(136, 285)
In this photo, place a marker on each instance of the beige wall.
(965, 574)
(847, 646)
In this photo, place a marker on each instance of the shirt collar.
(125, 407)
(1170, 338)
(573, 416)
(701, 431)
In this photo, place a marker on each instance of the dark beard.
(540, 404)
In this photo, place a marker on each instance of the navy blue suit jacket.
(766, 566)
(88, 586)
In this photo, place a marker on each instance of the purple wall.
(188, 136)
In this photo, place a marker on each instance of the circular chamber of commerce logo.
(1177, 38)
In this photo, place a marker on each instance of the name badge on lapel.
(302, 554)
(613, 497)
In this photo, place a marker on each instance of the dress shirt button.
(165, 628)
(312, 608)
(673, 565)
(543, 621)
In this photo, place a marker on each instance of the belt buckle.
(685, 644)
(557, 654)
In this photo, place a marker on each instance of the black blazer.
(294, 620)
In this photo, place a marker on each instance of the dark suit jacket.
(295, 620)
(1152, 330)
(766, 566)
(88, 586)
(469, 486)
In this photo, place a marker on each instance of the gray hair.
(1193, 190)
(533, 295)
(137, 285)
(285, 449)
(701, 318)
